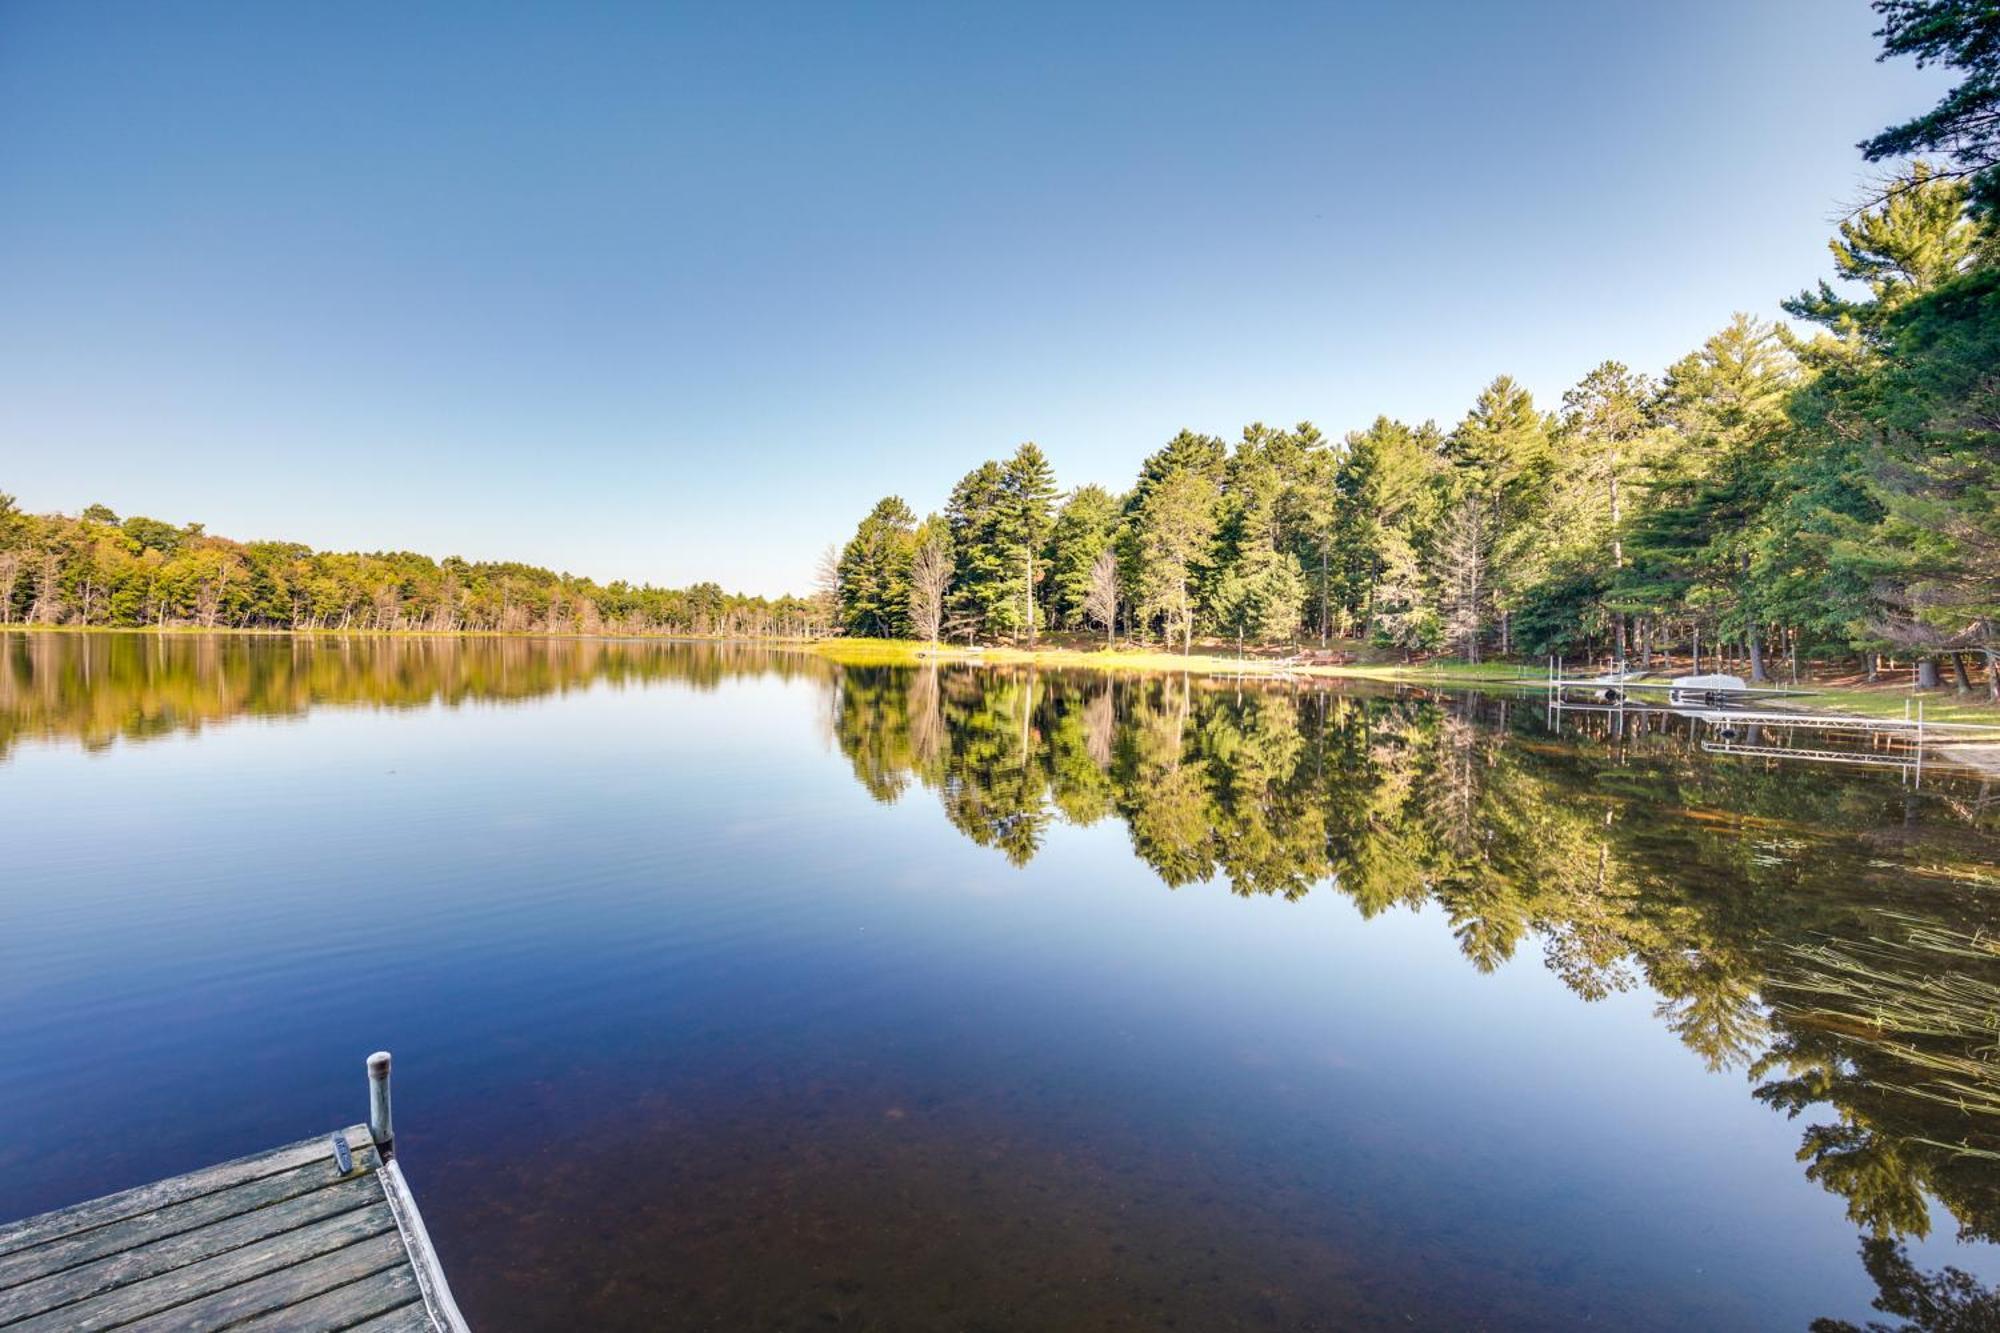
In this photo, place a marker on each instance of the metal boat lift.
(1714, 690)
(1714, 703)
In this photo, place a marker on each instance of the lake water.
(730, 988)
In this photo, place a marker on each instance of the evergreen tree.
(1199, 463)
(1962, 35)
(1817, 558)
(1931, 407)
(1172, 533)
(1502, 440)
(1084, 528)
(1726, 407)
(1027, 502)
(1383, 508)
(875, 571)
(981, 599)
(1256, 589)
(1501, 453)
(1606, 440)
(1309, 519)
(1916, 240)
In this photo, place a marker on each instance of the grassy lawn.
(1846, 695)
(879, 652)
(1943, 705)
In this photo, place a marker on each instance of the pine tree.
(1606, 441)
(1256, 588)
(1084, 527)
(874, 571)
(1172, 532)
(1197, 461)
(1817, 558)
(1958, 34)
(1502, 454)
(981, 586)
(1726, 407)
(1383, 504)
(1916, 240)
(1929, 408)
(1027, 503)
(1309, 519)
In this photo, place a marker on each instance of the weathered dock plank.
(285, 1288)
(392, 1292)
(308, 1236)
(189, 1215)
(163, 1194)
(167, 1291)
(409, 1319)
(144, 1261)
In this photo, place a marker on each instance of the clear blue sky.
(675, 293)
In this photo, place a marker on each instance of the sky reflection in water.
(732, 988)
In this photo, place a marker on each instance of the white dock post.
(381, 1123)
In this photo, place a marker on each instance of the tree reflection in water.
(1830, 934)
(1791, 925)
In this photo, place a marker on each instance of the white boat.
(1712, 689)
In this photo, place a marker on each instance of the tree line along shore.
(1824, 688)
(1820, 495)
(98, 570)
(1773, 497)
(1825, 491)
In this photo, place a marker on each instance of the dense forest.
(1830, 489)
(95, 568)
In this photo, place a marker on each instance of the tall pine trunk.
(1325, 627)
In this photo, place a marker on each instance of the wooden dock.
(321, 1234)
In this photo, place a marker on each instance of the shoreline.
(1941, 705)
(261, 632)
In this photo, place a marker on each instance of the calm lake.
(733, 989)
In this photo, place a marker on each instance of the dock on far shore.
(322, 1234)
